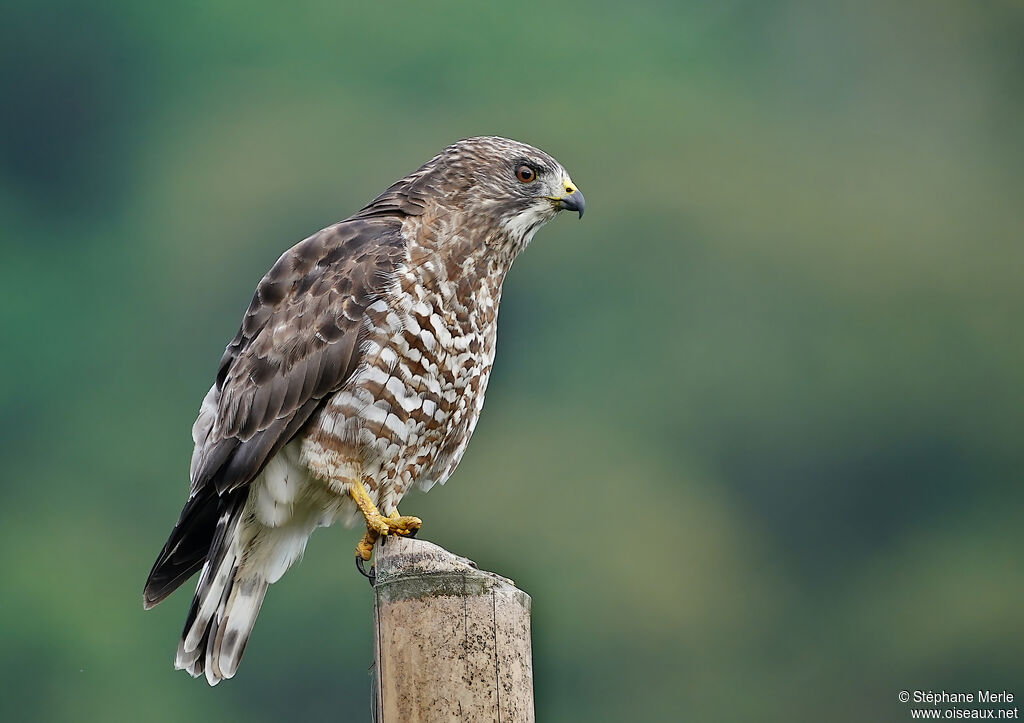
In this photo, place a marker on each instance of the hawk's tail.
(246, 556)
(228, 598)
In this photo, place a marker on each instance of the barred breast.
(408, 412)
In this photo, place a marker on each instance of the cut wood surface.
(452, 642)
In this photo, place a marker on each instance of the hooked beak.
(572, 200)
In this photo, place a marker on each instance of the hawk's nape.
(358, 371)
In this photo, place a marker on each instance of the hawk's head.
(514, 187)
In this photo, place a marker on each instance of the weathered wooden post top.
(452, 642)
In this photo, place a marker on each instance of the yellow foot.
(377, 525)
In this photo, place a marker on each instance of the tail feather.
(234, 625)
(228, 598)
(247, 542)
(192, 659)
(221, 641)
(215, 580)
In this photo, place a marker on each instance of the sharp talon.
(378, 526)
(371, 575)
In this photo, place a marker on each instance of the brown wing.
(299, 341)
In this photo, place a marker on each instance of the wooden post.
(452, 643)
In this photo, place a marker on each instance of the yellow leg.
(376, 523)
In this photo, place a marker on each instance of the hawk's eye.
(525, 174)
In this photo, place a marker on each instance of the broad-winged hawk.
(359, 370)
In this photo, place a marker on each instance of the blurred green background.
(753, 438)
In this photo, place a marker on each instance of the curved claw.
(371, 575)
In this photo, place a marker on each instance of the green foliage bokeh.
(752, 441)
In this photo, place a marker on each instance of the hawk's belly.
(406, 415)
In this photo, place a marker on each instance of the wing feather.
(300, 338)
(298, 342)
